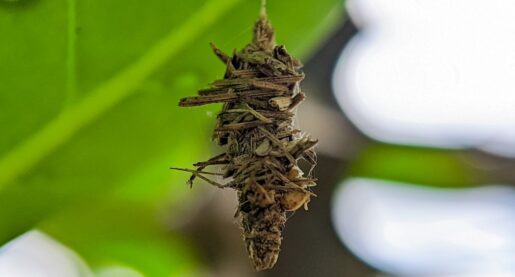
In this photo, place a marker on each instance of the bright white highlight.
(37, 255)
(416, 231)
(426, 72)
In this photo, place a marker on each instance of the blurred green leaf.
(123, 233)
(426, 166)
(88, 95)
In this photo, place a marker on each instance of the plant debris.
(260, 92)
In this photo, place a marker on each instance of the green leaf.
(123, 234)
(88, 94)
(416, 165)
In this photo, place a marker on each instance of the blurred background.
(412, 101)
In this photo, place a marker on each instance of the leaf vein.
(71, 54)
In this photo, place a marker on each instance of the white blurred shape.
(35, 254)
(415, 231)
(431, 72)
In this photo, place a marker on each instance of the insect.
(260, 91)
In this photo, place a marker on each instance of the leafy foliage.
(417, 165)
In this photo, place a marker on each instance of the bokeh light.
(411, 230)
(36, 254)
(435, 73)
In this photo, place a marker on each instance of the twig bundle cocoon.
(260, 92)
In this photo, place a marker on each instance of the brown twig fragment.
(260, 92)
